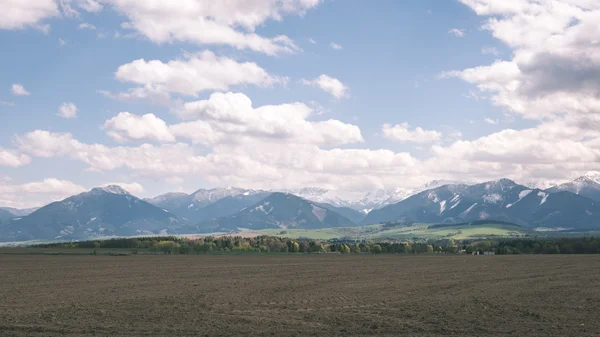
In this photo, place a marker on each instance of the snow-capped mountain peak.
(591, 176)
(112, 189)
(165, 197)
(212, 195)
(540, 184)
(319, 195)
(379, 198)
(368, 200)
(441, 182)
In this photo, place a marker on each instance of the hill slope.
(350, 213)
(501, 200)
(19, 212)
(101, 211)
(587, 185)
(278, 210)
(5, 215)
(191, 207)
(229, 205)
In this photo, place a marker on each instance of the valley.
(404, 232)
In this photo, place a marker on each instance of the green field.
(423, 231)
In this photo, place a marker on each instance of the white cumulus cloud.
(230, 118)
(16, 14)
(19, 90)
(37, 193)
(256, 165)
(12, 158)
(212, 22)
(91, 6)
(126, 127)
(403, 133)
(335, 46)
(86, 25)
(555, 61)
(490, 51)
(67, 110)
(330, 85)
(195, 73)
(457, 32)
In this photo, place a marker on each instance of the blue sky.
(430, 65)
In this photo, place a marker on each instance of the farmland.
(298, 295)
(424, 231)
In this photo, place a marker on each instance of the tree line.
(270, 244)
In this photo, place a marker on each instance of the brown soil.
(301, 295)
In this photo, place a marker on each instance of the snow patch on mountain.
(524, 193)
(262, 208)
(544, 196)
(492, 198)
(442, 206)
(319, 212)
(468, 210)
(433, 197)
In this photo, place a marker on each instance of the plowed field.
(299, 295)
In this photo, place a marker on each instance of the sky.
(351, 96)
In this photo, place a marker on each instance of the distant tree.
(316, 247)
(293, 246)
(185, 249)
(304, 247)
(168, 247)
(376, 249)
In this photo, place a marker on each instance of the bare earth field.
(299, 295)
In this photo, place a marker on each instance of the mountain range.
(112, 211)
(206, 204)
(587, 185)
(502, 200)
(278, 210)
(105, 211)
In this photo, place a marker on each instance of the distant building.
(489, 253)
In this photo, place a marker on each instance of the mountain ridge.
(102, 211)
(278, 210)
(501, 200)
